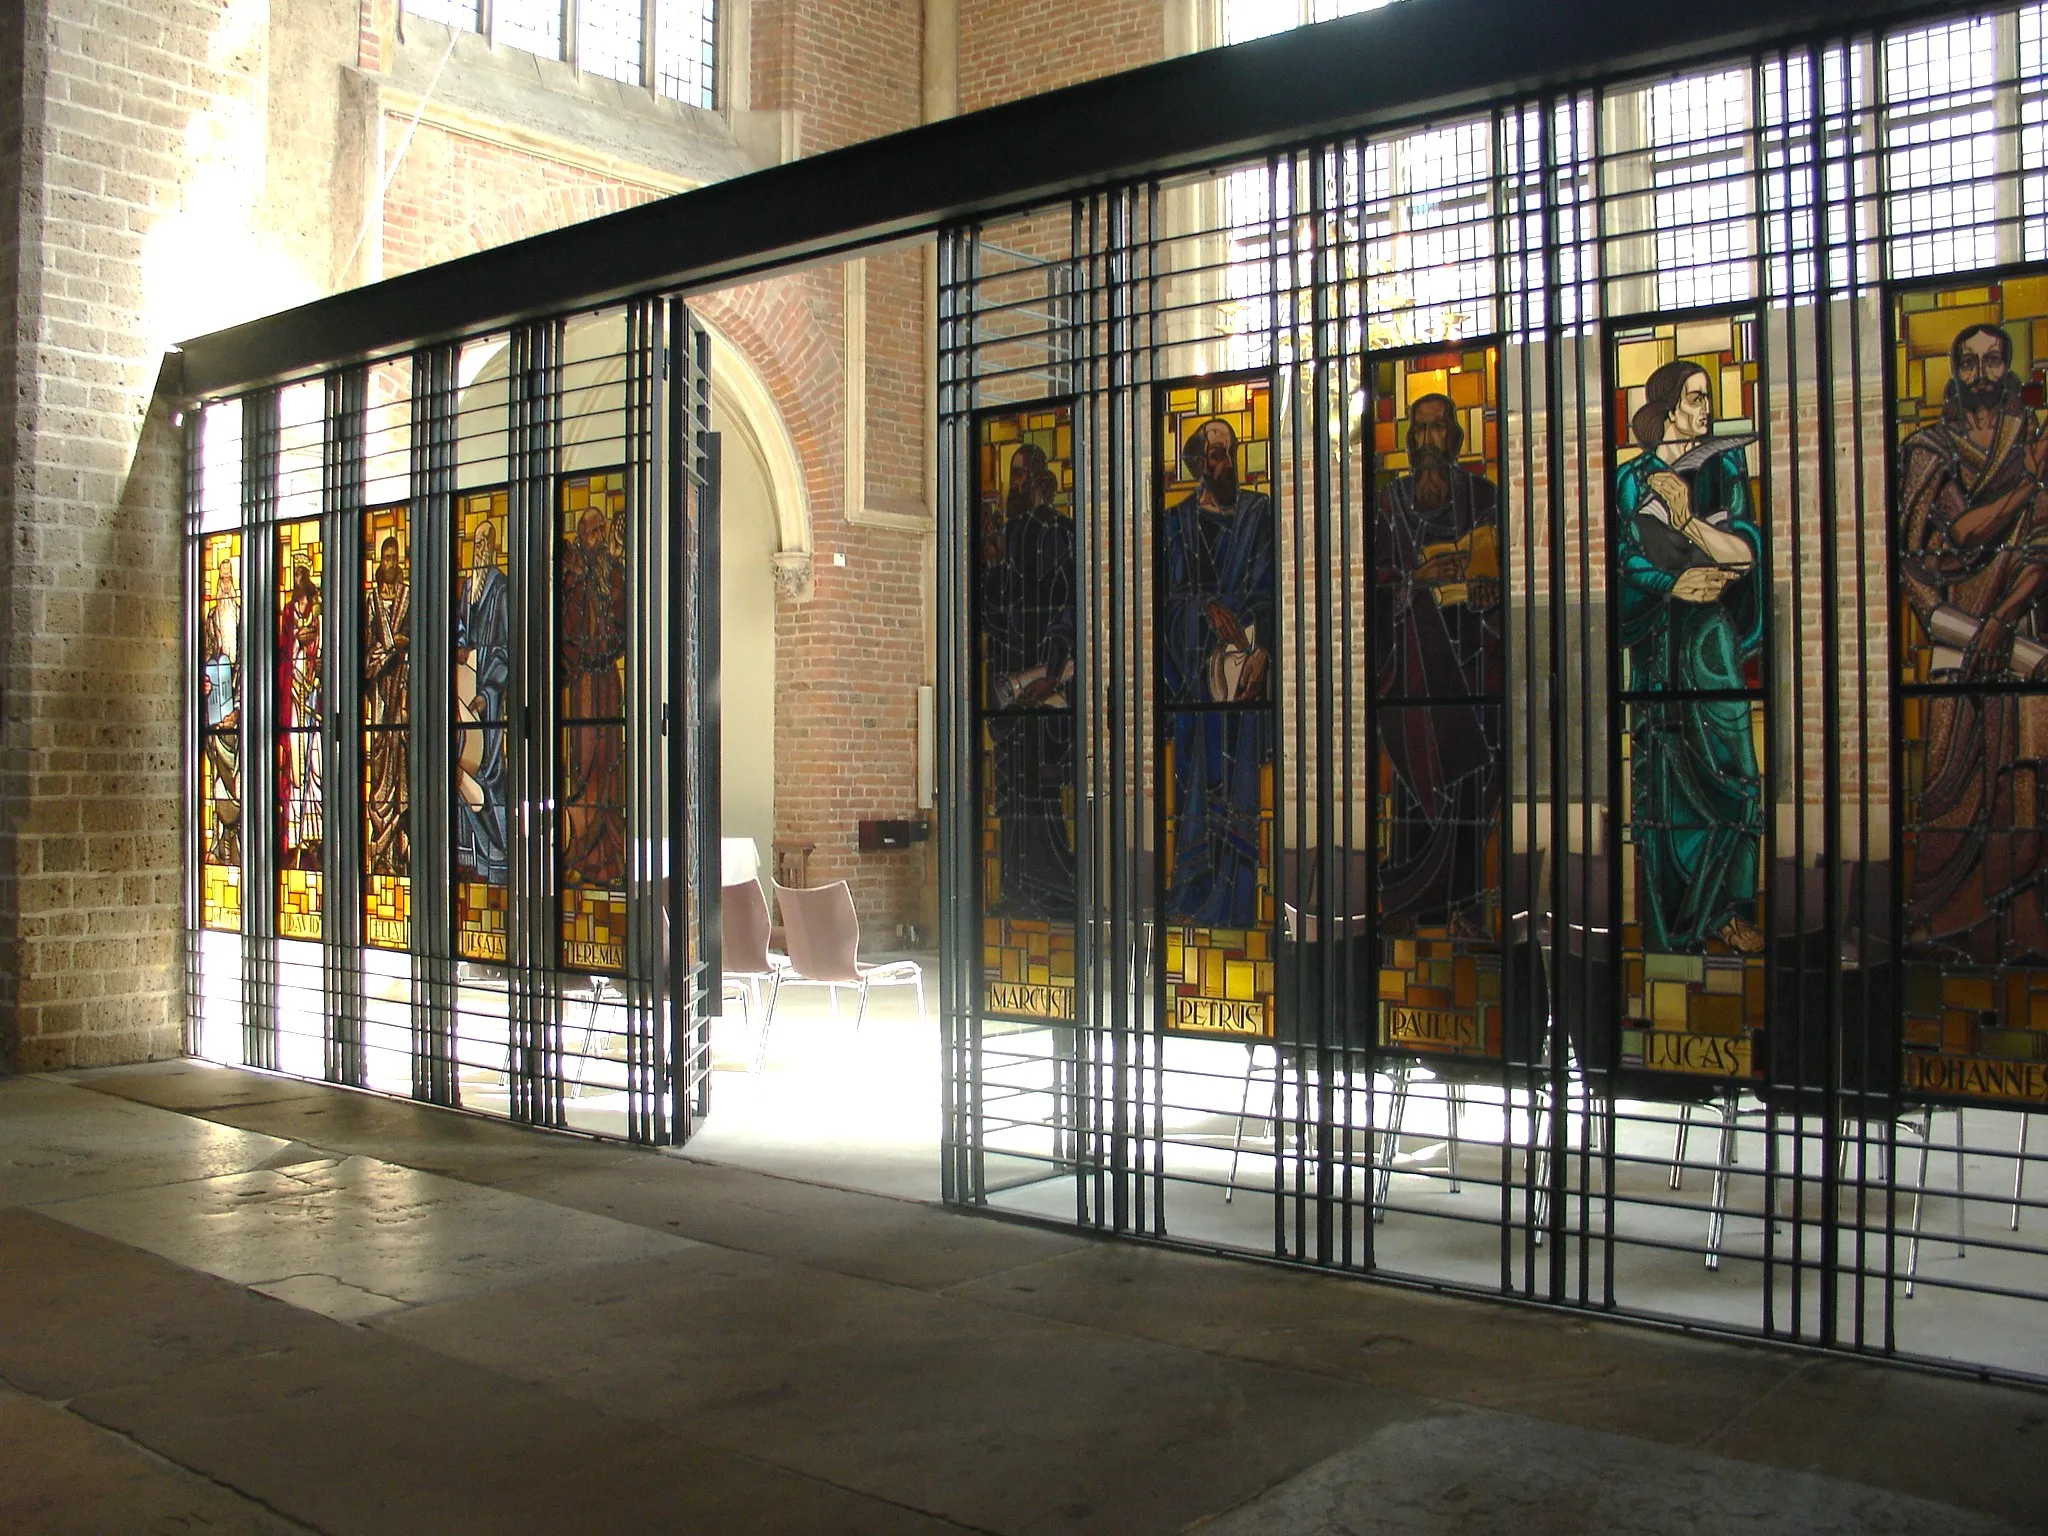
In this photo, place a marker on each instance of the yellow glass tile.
(1238, 984)
(1972, 992)
(1668, 1003)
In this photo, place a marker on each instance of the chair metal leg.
(1919, 1199)
(767, 1022)
(861, 1012)
(1244, 1104)
(2019, 1170)
(1962, 1191)
(1396, 1112)
(1456, 1096)
(1678, 1146)
(1717, 1219)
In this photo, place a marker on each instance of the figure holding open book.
(1973, 564)
(1692, 618)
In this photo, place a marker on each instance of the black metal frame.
(1582, 1220)
(658, 1006)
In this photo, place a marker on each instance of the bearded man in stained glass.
(1215, 649)
(387, 668)
(1436, 567)
(1973, 563)
(593, 644)
(483, 668)
(1027, 619)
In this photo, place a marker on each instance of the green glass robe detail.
(1696, 801)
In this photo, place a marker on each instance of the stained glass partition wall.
(429, 602)
(390, 577)
(300, 759)
(216, 580)
(1649, 473)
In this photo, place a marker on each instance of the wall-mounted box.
(876, 836)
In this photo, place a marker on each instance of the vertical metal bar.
(710, 737)
(259, 733)
(952, 684)
(1556, 479)
(341, 927)
(431, 740)
(1828, 491)
(1318, 368)
(191, 715)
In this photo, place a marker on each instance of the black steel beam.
(1411, 60)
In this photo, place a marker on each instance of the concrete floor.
(239, 1303)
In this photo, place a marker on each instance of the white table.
(739, 859)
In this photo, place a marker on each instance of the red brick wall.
(1009, 50)
(849, 661)
(455, 193)
(853, 68)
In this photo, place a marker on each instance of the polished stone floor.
(237, 1303)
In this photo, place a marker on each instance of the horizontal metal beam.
(1408, 61)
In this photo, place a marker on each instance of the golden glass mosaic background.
(1024, 664)
(1973, 713)
(1214, 640)
(1692, 835)
(1437, 605)
(482, 660)
(220, 727)
(301, 794)
(591, 613)
(387, 716)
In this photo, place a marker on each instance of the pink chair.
(824, 947)
(743, 913)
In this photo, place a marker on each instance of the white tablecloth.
(739, 859)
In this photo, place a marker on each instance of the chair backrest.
(743, 913)
(823, 931)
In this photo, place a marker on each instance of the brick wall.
(1008, 50)
(853, 68)
(455, 193)
(14, 478)
(89, 852)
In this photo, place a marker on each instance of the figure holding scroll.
(1692, 617)
(1436, 634)
(1973, 564)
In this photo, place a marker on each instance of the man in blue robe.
(483, 667)
(1216, 682)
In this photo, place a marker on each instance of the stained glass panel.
(1217, 685)
(1437, 684)
(1688, 560)
(301, 807)
(387, 716)
(220, 732)
(590, 676)
(482, 655)
(1025, 671)
(1970, 374)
